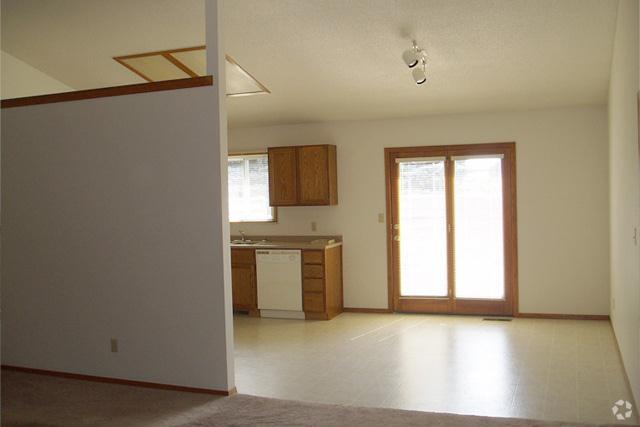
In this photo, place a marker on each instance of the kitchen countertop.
(288, 242)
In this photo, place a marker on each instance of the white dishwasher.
(279, 283)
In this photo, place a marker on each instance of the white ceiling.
(340, 59)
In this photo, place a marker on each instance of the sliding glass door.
(452, 228)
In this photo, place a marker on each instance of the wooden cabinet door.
(313, 170)
(283, 179)
(243, 285)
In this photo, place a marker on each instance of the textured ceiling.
(340, 59)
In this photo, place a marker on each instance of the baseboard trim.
(120, 381)
(563, 316)
(366, 310)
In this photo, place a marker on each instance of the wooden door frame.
(508, 149)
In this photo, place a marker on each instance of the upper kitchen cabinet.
(303, 176)
(283, 176)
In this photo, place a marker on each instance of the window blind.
(248, 177)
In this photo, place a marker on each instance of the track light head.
(410, 57)
(419, 73)
(419, 76)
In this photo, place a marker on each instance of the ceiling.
(340, 59)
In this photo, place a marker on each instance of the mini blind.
(249, 189)
(420, 159)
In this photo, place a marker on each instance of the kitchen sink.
(247, 242)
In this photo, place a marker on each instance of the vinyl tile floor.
(562, 370)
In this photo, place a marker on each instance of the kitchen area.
(284, 276)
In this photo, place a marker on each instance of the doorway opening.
(451, 229)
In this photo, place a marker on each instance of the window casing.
(249, 189)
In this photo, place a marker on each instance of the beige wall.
(625, 191)
(562, 198)
(20, 79)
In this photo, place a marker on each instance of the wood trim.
(388, 177)
(512, 245)
(367, 310)
(175, 61)
(441, 305)
(120, 381)
(563, 316)
(456, 149)
(108, 91)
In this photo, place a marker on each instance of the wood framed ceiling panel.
(190, 62)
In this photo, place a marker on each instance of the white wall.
(20, 79)
(216, 65)
(625, 191)
(562, 198)
(113, 226)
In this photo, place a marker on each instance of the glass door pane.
(423, 227)
(479, 240)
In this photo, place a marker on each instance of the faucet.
(244, 238)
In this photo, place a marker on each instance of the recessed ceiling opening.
(190, 62)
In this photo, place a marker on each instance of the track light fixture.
(419, 72)
(411, 56)
(415, 58)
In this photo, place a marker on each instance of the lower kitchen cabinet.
(321, 271)
(243, 281)
(322, 283)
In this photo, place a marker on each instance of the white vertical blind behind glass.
(249, 188)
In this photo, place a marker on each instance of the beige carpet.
(36, 400)
(251, 410)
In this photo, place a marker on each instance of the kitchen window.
(249, 189)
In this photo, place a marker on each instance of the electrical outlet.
(381, 218)
(314, 226)
(114, 345)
